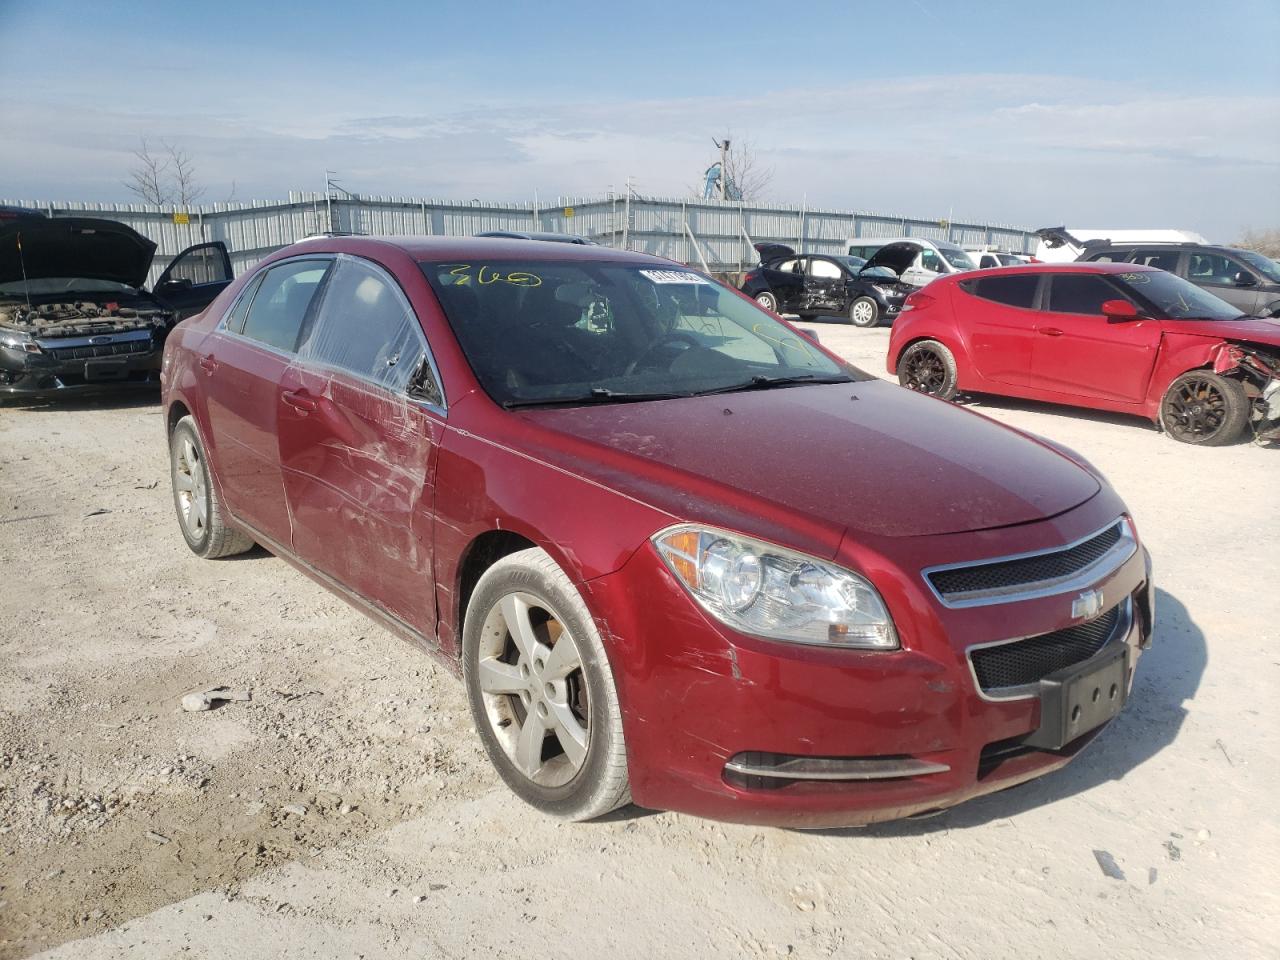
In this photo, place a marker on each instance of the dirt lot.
(347, 810)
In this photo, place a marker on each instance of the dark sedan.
(811, 285)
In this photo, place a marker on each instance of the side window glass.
(235, 318)
(1211, 268)
(1019, 291)
(1080, 293)
(284, 295)
(202, 264)
(931, 261)
(1160, 259)
(366, 327)
(823, 270)
(788, 266)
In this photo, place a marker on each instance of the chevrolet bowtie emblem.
(1087, 605)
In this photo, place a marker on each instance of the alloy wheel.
(189, 482)
(1196, 410)
(863, 313)
(768, 301)
(926, 372)
(534, 690)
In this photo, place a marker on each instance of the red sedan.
(644, 521)
(1110, 336)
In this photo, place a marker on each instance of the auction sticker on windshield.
(672, 276)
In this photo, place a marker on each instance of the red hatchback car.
(644, 520)
(1111, 336)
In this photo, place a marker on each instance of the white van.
(915, 259)
(1060, 245)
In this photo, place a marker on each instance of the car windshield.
(853, 263)
(957, 257)
(543, 332)
(1264, 265)
(47, 285)
(1175, 298)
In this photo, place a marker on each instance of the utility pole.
(724, 164)
(626, 218)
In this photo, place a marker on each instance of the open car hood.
(63, 247)
(896, 256)
(773, 251)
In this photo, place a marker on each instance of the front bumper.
(79, 366)
(705, 710)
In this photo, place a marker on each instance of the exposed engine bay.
(83, 317)
(1258, 369)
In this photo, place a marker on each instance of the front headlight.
(769, 591)
(17, 341)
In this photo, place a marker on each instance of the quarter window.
(235, 319)
(284, 296)
(823, 269)
(1015, 291)
(365, 326)
(1080, 293)
(788, 266)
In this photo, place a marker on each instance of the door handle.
(208, 364)
(1050, 331)
(298, 401)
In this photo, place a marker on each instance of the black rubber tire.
(218, 538)
(1202, 408)
(601, 785)
(768, 300)
(864, 320)
(929, 367)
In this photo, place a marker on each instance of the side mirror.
(1118, 311)
(1243, 279)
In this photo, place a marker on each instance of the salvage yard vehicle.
(644, 520)
(1109, 336)
(916, 260)
(74, 314)
(812, 285)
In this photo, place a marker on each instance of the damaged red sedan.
(644, 520)
(1110, 336)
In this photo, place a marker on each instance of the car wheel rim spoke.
(528, 752)
(571, 734)
(498, 677)
(515, 611)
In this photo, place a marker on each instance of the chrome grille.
(1006, 579)
(1001, 667)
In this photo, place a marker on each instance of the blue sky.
(1089, 113)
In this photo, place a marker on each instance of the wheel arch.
(479, 555)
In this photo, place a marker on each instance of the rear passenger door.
(243, 363)
(1001, 317)
(360, 422)
(823, 286)
(786, 280)
(1079, 352)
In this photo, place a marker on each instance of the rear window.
(1015, 291)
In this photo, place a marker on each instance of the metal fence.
(713, 234)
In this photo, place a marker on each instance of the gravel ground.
(347, 811)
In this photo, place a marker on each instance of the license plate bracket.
(1081, 698)
(109, 369)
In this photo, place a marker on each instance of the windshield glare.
(957, 257)
(1175, 298)
(1264, 265)
(541, 330)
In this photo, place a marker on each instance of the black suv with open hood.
(75, 315)
(813, 284)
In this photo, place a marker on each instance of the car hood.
(866, 456)
(1255, 331)
(897, 256)
(59, 247)
(773, 251)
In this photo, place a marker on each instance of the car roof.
(1170, 244)
(436, 248)
(1074, 267)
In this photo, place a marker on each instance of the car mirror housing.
(1243, 279)
(1118, 311)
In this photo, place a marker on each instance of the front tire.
(201, 515)
(864, 312)
(768, 300)
(541, 690)
(929, 367)
(1205, 409)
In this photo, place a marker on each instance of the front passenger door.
(1217, 274)
(358, 443)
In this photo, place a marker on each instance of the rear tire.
(767, 300)
(201, 515)
(547, 713)
(929, 367)
(864, 312)
(1205, 409)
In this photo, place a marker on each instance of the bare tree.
(746, 169)
(182, 174)
(147, 176)
(1265, 242)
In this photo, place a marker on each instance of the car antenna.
(26, 285)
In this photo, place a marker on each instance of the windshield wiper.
(594, 395)
(761, 382)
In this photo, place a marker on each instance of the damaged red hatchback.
(645, 521)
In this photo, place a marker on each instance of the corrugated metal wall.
(691, 231)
